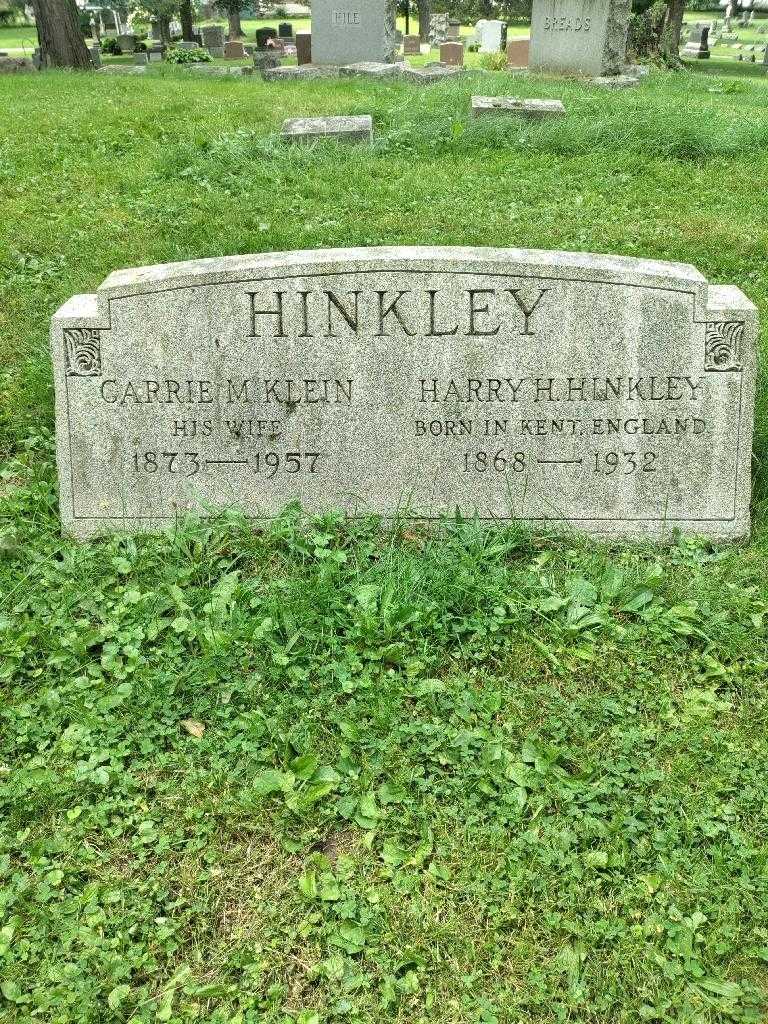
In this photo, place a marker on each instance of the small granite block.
(426, 76)
(370, 69)
(513, 105)
(452, 54)
(358, 128)
(615, 81)
(303, 47)
(307, 71)
(517, 53)
(16, 66)
(411, 46)
(636, 70)
(122, 69)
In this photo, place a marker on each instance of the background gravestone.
(492, 35)
(303, 47)
(351, 31)
(697, 45)
(411, 46)
(582, 37)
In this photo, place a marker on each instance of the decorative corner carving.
(722, 346)
(83, 352)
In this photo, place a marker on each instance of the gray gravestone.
(607, 394)
(358, 128)
(530, 108)
(491, 35)
(213, 39)
(586, 37)
(127, 42)
(697, 46)
(351, 31)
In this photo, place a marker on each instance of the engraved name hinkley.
(601, 393)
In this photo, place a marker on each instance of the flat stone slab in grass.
(597, 393)
(16, 65)
(615, 81)
(217, 70)
(358, 128)
(122, 69)
(529, 108)
(426, 76)
(370, 69)
(308, 71)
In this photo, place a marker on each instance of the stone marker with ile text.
(605, 394)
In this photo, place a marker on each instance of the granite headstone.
(606, 394)
(582, 37)
(350, 31)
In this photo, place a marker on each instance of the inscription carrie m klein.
(597, 393)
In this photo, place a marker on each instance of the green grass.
(467, 777)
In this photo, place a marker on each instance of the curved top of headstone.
(533, 262)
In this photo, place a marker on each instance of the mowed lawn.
(334, 771)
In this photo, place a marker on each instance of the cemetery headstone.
(531, 109)
(369, 69)
(350, 31)
(127, 42)
(454, 30)
(439, 26)
(263, 34)
(606, 394)
(156, 54)
(285, 30)
(234, 50)
(492, 35)
(583, 37)
(358, 128)
(266, 58)
(411, 46)
(428, 75)
(697, 46)
(95, 55)
(518, 52)
(452, 54)
(303, 47)
(16, 66)
(213, 39)
(305, 71)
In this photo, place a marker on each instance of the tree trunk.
(235, 28)
(424, 9)
(186, 18)
(62, 44)
(670, 36)
(164, 28)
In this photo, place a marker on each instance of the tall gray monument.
(579, 37)
(599, 393)
(351, 31)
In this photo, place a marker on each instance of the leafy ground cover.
(345, 772)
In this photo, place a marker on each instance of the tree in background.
(62, 44)
(187, 18)
(159, 11)
(424, 8)
(654, 29)
(232, 9)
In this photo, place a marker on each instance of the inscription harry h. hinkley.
(605, 394)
